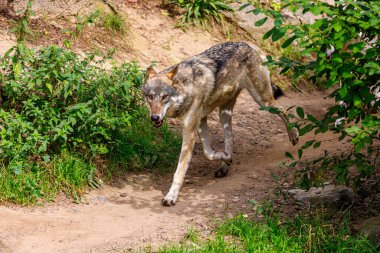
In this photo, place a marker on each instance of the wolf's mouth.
(158, 123)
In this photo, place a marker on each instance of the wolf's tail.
(277, 92)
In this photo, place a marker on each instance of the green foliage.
(84, 21)
(55, 103)
(55, 100)
(302, 235)
(143, 147)
(114, 22)
(352, 73)
(202, 11)
(110, 21)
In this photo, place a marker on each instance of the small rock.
(123, 194)
(102, 198)
(254, 176)
(370, 228)
(330, 195)
(235, 199)
(188, 181)
(206, 233)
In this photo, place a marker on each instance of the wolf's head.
(159, 93)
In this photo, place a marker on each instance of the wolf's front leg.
(188, 140)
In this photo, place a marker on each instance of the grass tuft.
(115, 23)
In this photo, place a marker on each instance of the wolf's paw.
(222, 171)
(168, 202)
(170, 198)
(221, 155)
(293, 135)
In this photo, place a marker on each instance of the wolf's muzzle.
(156, 120)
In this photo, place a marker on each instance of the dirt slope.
(131, 216)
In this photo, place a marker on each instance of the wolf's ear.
(150, 72)
(172, 73)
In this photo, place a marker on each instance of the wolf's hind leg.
(292, 132)
(260, 89)
(205, 138)
(225, 116)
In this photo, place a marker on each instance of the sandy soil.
(131, 216)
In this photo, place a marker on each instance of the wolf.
(193, 88)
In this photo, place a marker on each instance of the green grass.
(141, 147)
(115, 22)
(144, 147)
(300, 235)
(30, 184)
(25, 187)
(202, 11)
(70, 174)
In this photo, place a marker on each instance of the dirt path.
(131, 217)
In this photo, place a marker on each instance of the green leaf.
(292, 164)
(357, 101)
(17, 68)
(306, 129)
(269, 33)
(311, 118)
(278, 22)
(243, 6)
(278, 34)
(305, 182)
(49, 86)
(343, 92)
(356, 47)
(353, 130)
(337, 27)
(317, 144)
(300, 153)
(289, 155)
(261, 21)
(288, 41)
(308, 144)
(300, 112)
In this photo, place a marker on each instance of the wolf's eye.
(150, 97)
(164, 97)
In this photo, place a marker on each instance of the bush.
(54, 100)
(351, 72)
(201, 11)
(61, 113)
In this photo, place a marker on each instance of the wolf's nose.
(154, 118)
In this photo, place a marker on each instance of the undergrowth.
(113, 22)
(304, 234)
(201, 12)
(60, 113)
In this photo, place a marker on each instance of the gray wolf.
(192, 89)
